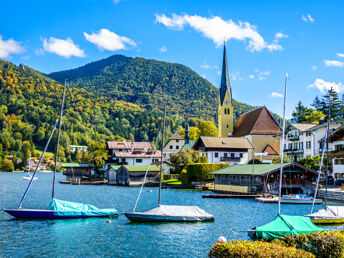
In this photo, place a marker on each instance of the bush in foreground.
(255, 249)
(322, 244)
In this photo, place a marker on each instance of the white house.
(231, 150)
(173, 145)
(302, 140)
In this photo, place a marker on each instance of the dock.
(230, 196)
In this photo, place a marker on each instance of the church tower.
(225, 109)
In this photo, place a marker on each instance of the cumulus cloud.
(251, 76)
(62, 47)
(323, 86)
(307, 18)
(163, 49)
(335, 63)
(218, 30)
(276, 95)
(259, 75)
(340, 54)
(108, 40)
(235, 76)
(205, 66)
(8, 47)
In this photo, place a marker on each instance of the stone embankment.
(336, 194)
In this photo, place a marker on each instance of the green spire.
(225, 84)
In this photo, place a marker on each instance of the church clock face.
(226, 102)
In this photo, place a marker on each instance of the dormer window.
(224, 142)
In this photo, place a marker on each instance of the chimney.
(132, 147)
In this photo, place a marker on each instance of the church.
(258, 125)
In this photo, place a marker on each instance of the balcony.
(294, 151)
(232, 159)
(293, 137)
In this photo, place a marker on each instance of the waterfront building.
(77, 171)
(302, 140)
(133, 175)
(225, 106)
(262, 131)
(80, 148)
(336, 151)
(231, 150)
(254, 179)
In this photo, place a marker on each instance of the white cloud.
(61, 47)
(39, 52)
(218, 30)
(307, 18)
(335, 63)
(314, 68)
(276, 95)
(204, 76)
(163, 49)
(235, 76)
(109, 40)
(27, 57)
(8, 47)
(259, 75)
(340, 54)
(251, 76)
(205, 66)
(323, 86)
(280, 35)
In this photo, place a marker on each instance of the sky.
(264, 41)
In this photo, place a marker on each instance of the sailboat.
(331, 214)
(58, 209)
(283, 225)
(167, 213)
(28, 176)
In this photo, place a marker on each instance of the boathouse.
(254, 179)
(77, 171)
(133, 175)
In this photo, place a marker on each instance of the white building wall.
(145, 161)
(212, 159)
(173, 147)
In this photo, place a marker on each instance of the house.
(231, 150)
(75, 171)
(177, 143)
(336, 151)
(253, 179)
(302, 140)
(131, 153)
(262, 131)
(133, 175)
(80, 148)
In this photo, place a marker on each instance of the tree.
(300, 113)
(317, 104)
(314, 117)
(7, 165)
(277, 160)
(187, 157)
(194, 132)
(331, 98)
(208, 128)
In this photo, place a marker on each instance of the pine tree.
(331, 102)
(300, 113)
(317, 104)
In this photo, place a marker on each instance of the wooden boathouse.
(254, 179)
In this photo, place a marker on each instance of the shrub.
(255, 249)
(322, 244)
(199, 172)
(256, 161)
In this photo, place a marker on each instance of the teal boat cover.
(70, 209)
(285, 225)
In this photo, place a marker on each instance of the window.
(290, 146)
(308, 134)
(308, 145)
(225, 155)
(177, 147)
(227, 126)
(216, 154)
(339, 161)
(339, 147)
(241, 155)
(171, 147)
(285, 146)
(232, 155)
(177, 140)
(138, 160)
(295, 146)
(301, 145)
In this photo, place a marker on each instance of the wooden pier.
(230, 196)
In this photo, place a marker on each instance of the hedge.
(199, 172)
(255, 249)
(322, 244)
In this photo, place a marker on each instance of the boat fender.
(221, 239)
(108, 221)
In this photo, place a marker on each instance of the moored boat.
(299, 199)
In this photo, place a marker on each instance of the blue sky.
(265, 39)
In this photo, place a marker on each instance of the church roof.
(270, 150)
(225, 83)
(257, 122)
(177, 136)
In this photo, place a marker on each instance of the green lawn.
(172, 182)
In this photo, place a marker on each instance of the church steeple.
(225, 83)
(225, 109)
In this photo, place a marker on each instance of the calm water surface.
(97, 237)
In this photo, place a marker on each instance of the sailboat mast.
(327, 141)
(58, 138)
(162, 151)
(282, 145)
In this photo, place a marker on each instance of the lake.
(96, 237)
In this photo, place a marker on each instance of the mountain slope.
(145, 82)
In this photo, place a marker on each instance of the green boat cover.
(285, 225)
(70, 209)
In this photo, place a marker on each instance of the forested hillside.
(144, 82)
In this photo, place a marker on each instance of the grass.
(172, 182)
(47, 154)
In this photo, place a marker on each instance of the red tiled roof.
(157, 154)
(127, 145)
(177, 136)
(257, 122)
(270, 150)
